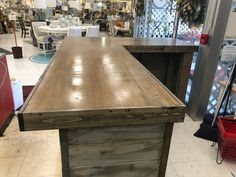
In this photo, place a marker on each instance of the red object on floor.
(227, 138)
(6, 98)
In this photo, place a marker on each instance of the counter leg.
(64, 153)
(183, 76)
(165, 149)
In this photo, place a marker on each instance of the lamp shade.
(87, 5)
(74, 4)
(51, 3)
(40, 4)
(65, 8)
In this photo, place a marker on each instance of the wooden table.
(59, 30)
(114, 117)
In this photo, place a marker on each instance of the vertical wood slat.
(64, 153)
(165, 149)
(172, 72)
(183, 75)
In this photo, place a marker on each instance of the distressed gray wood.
(165, 149)
(101, 118)
(64, 153)
(109, 153)
(137, 169)
(115, 134)
(183, 75)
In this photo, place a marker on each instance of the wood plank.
(165, 149)
(160, 45)
(117, 152)
(183, 75)
(137, 169)
(115, 134)
(172, 72)
(64, 153)
(71, 120)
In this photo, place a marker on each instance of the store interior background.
(189, 156)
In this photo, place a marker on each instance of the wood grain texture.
(159, 45)
(64, 153)
(183, 75)
(129, 149)
(115, 134)
(101, 118)
(97, 76)
(165, 149)
(110, 153)
(165, 67)
(131, 169)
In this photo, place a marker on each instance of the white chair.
(75, 31)
(92, 31)
(41, 38)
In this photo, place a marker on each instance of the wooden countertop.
(96, 82)
(156, 45)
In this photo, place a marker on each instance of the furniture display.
(42, 39)
(121, 29)
(6, 98)
(24, 30)
(74, 31)
(92, 31)
(59, 30)
(114, 117)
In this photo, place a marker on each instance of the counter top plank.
(153, 45)
(97, 79)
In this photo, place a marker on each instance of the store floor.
(37, 153)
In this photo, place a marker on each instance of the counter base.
(135, 151)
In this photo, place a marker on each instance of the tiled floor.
(29, 72)
(37, 153)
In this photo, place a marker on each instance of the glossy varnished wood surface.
(95, 78)
(156, 45)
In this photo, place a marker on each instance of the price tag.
(12, 17)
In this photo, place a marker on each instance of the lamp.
(74, 4)
(65, 8)
(100, 4)
(87, 5)
(51, 3)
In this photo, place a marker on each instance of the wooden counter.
(169, 60)
(115, 118)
